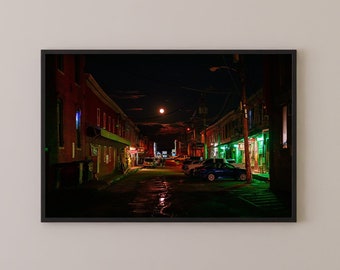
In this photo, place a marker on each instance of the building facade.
(224, 139)
(87, 136)
(271, 124)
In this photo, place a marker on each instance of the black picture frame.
(69, 183)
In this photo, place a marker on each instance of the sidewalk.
(107, 180)
(259, 195)
(261, 176)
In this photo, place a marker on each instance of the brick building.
(271, 123)
(225, 137)
(87, 135)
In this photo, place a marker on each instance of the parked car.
(233, 162)
(171, 162)
(215, 171)
(149, 163)
(188, 162)
(189, 169)
(181, 158)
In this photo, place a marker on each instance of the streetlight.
(240, 71)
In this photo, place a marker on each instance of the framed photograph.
(168, 136)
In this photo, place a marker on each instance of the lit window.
(78, 125)
(106, 155)
(110, 154)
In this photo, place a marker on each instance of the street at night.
(167, 193)
(119, 126)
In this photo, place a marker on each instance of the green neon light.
(113, 137)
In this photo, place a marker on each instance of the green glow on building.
(106, 134)
(259, 137)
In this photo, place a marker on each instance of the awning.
(95, 131)
(113, 137)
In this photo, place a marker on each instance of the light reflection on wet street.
(168, 193)
(153, 197)
(164, 198)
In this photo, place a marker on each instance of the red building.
(87, 135)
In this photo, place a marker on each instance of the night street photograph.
(168, 135)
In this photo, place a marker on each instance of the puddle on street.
(153, 199)
(164, 197)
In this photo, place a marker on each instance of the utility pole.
(239, 60)
(205, 136)
(240, 70)
(203, 111)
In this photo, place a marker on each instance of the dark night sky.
(142, 83)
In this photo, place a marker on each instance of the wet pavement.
(167, 193)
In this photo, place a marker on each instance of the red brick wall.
(71, 94)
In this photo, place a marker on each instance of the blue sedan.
(225, 170)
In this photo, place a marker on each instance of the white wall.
(311, 27)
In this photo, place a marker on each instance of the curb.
(260, 178)
(122, 176)
(105, 183)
